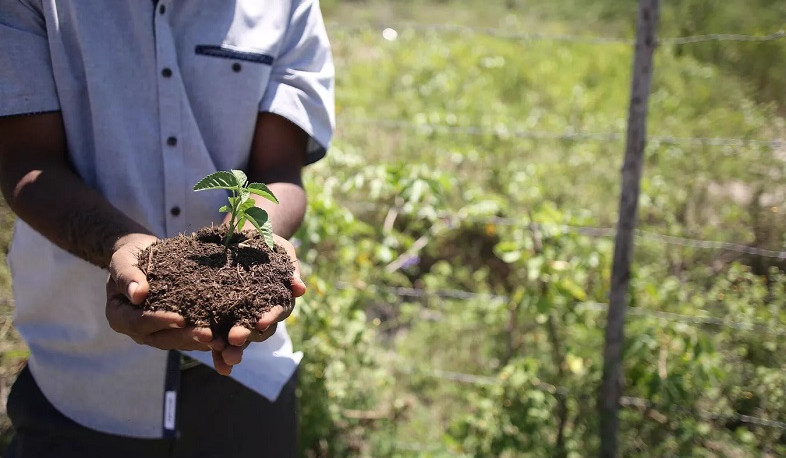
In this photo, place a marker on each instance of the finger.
(127, 319)
(137, 291)
(261, 336)
(127, 276)
(272, 316)
(203, 335)
(268, 333)
(232, 355)
(255, 336)
(175, 339)
(218, 344)
(237, 335)
(297, 285)
(218, 362)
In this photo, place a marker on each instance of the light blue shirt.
(153, 98)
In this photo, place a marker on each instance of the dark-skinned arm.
(277, 158)
(35, 172)
(40, 186)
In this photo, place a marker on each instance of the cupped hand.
(228, 354)
(127, 287)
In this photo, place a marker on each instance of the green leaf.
(217, 180)
(244, 198)
(240, 177)
(261, 189)
(240, 202)
(242, 211)
(261, 221)
(247, 203)
(225, 209)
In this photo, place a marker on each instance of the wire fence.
(625, 401)
(509, 132)
(454, 219)
(699, 321)
(525, 37)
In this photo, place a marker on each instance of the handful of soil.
(215, 287)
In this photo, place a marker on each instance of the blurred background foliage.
(458, 243)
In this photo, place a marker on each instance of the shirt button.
(171, 141)
(175, 211)
(236, 67)
(166, 72)
(162, 9)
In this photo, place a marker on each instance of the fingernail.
(132, 287)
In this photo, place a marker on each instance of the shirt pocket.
(237, 75)
(224, 87)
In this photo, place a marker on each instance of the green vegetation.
(241, 206)
(470, 321)
(457, 245)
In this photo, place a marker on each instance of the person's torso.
(154, 96)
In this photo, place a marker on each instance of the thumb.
(137, 292)
(127, 276)
(298, 286)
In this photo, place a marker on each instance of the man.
(109, 113)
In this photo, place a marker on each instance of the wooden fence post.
(611, 388)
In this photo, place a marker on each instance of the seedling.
(241, 204)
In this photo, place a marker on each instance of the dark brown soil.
(210, 286)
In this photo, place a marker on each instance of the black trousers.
(217, 417)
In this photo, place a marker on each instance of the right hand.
(127, 288)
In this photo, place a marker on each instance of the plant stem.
(234, 207)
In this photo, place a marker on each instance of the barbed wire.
(454, 219)
(723, 37)
(695, 320)
(535, 36)
(632, 401)
(473, 379)
(692, 320)
(420, 293)
(711, 245)
(505, 131)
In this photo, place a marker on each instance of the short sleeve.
(301, 86)
(26, 82)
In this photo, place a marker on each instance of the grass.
(13, 351)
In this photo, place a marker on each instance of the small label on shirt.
(170, 405)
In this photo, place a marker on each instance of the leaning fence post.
(611, 388)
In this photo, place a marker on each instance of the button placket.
(171, 123)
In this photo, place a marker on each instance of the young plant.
(241, 204)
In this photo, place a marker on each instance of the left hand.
(228, 354)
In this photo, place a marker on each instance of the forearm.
(54, 201)
(42, 189)
(277, 157)
(288, 214)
